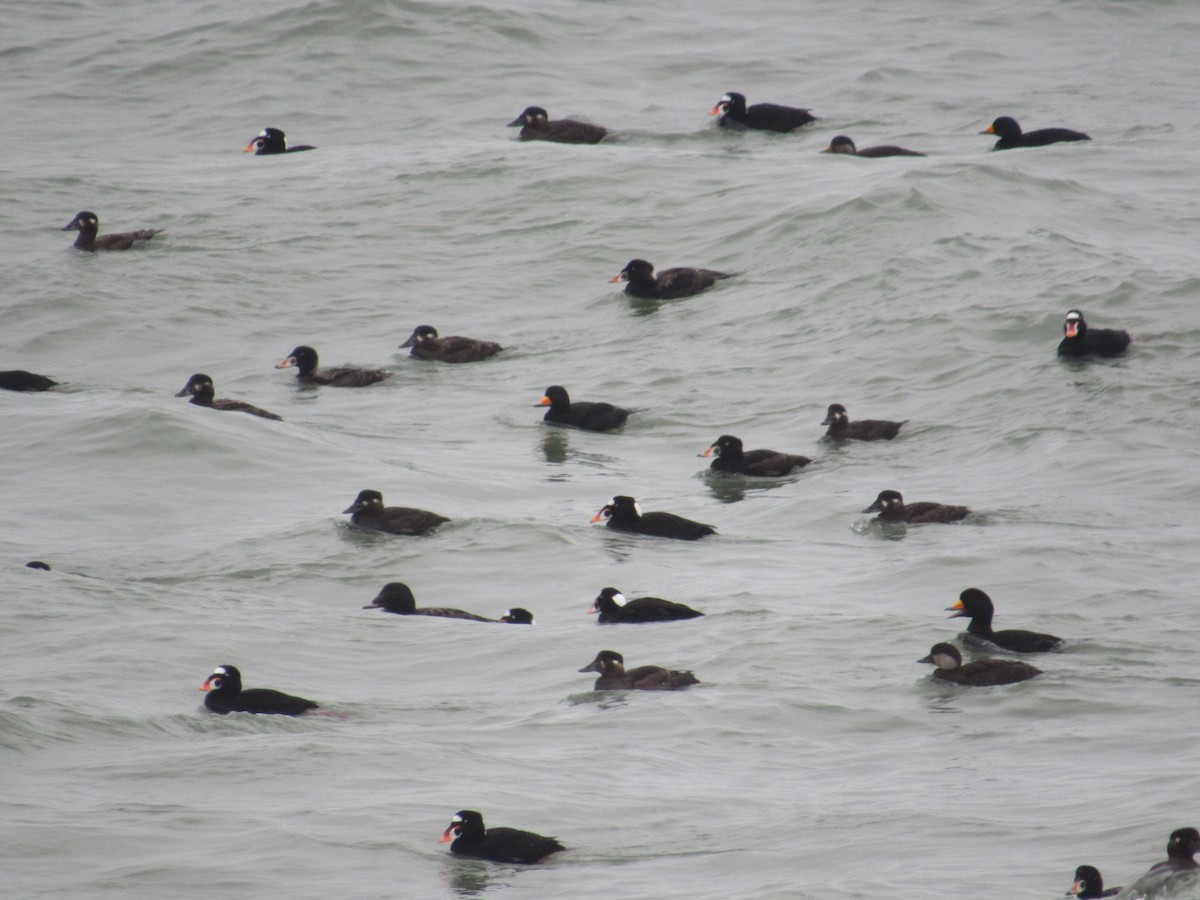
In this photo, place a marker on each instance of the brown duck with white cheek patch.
(426, 344)
(536, 125)
(981, 673)
(841, 428)
(614, 677)
(368, 511)
(669, 284)
(88, 223)
(203, 394)
(892, 508)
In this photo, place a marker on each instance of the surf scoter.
(841, 428)
(1176, 876)
(580, 414)
(88, 223)
(614, 608)
(426, 344)
(20, 380)
(1088, 885)
(368, 511)
(517, 616)
(535, 125)
(669, 284)
(271, 141)
(398, 598)
(731, 459)
(624, 514)
(1011, 136)
(981, 673)
(891, 508)
(975, 605)
(760, 117)
(613, 677)
(1078, 340)
(843, 144)
(505, 845)
(305, 361)
(201, 389)
(225, 695)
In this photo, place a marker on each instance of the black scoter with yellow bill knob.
(588, 415)
(1011, 136)
(977, 606)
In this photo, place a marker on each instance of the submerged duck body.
(614, 677)
(88, 223)
(226, 695)
(841, 428)
(669, 284)
(732, 459)
(398, 598)
(624, 514)
(1078, 340)
(736, 115)
(1011, 136)
(304, 359)
(504, 845)
(272, 141)
(590, 416)
(981, 673)
(20, 380)
(368, 511)
(613, 608)
(977, 606)
(201, 388)
(426, 344)
(891, 508)
(536, 125)
(843, 144)
(1089, 885)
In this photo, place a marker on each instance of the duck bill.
(598, 517)
(73, 226)
(352, 508)
(591, 611)
(620, 276)
(710, 451)
(183, 393)
(286, 363)
(1075, 889)
(1072, 329)
(988, 130)
(927, 659)
(590, 667)
(207, 686)
(448, 835)
(874, 507)
(828, 420)
(251, 147)
(717, 110)
(411, 342)
(961, 613)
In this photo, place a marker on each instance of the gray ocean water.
(816, 760)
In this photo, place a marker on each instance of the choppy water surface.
(816, 760)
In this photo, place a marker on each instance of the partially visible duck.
(669, 284)
(271, 141)
(518, 616)
(1176, 876)
(202, 391)
(88, 223)
(981, 673)
(841, 428)
(975, 605)
(589, 416)
(761, 116)
(891, 508)
(1089, 885)
(614, 608)
(536, 125)
(624, 514)
(505, 845)
(37, 564)
(426, 344)
(398, 598)
(613, 677)
(731, 459)
(20, 380)
(1011, 136)
(368, 511)
(1078, 340)
(305, 360)
(225, 695)
(843, 144)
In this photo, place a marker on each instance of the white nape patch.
(637, 508)
(619, 599)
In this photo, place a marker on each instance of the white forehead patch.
(457, 820)
(220, 670)
(1073, 317)
(263, 133)
(619, 598)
